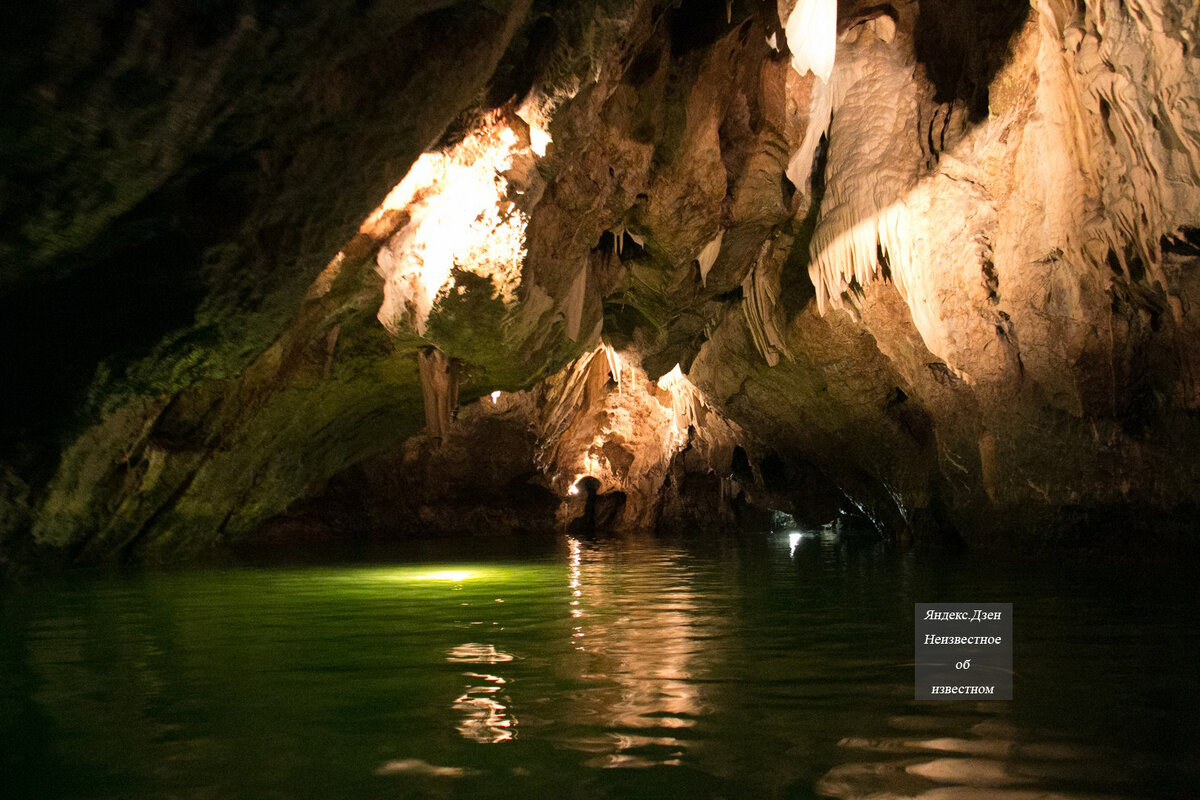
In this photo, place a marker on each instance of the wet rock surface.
(948, 288)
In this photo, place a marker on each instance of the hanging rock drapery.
(439, 389)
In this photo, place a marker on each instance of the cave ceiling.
(423, 266)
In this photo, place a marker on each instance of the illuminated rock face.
(946, 284)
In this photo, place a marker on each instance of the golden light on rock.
(458, 217)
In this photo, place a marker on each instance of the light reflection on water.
(756, 667)
(486, 717)
(638, 634)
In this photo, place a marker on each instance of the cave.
(616, 382)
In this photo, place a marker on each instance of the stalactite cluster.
(927, 263)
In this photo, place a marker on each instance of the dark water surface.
(748, 667)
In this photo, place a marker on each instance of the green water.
(747, 667)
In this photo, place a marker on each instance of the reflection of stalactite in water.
(576, 593)
(647, 653)
(983, 761)
(486, 716)
(472, 653)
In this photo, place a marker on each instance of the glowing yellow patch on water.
(483, 582)
(455, 575)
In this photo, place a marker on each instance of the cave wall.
(177, 174)
(947, 285)
(139, 431)
(1040, 254)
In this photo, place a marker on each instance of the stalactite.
(800, 166)
(567, 398)
(874, 157)
(694, 421)
(439, 390)
(1138, 80)
(759, 300)
(811, 32)
(572, 307)
(1112, 90)
(625, 436)
(685, 407)
(619, 233)
(708, 256)
(614, 364)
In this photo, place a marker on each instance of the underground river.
(765, 666)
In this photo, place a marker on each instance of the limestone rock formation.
(947, 284)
